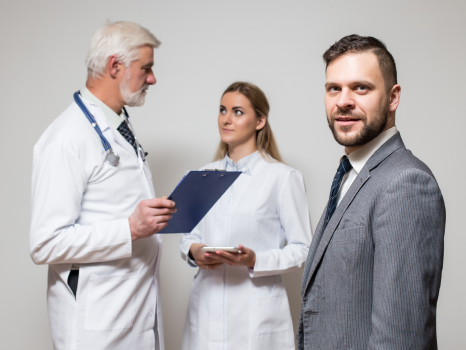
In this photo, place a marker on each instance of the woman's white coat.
(80, 207)
(231, 307)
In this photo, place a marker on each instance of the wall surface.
(207, 44)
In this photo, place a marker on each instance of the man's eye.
(361, 88)
(333, 89)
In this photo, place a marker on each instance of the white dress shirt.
(112, 118)
(241, 165)
(360, 157)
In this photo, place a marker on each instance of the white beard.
(132, 99)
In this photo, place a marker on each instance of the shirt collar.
(113, 119)
(244, 164)
(360, 157)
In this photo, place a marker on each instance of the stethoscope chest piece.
(112, 158)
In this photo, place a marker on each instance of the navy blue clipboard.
(195, 195)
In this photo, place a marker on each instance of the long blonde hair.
(265, 141)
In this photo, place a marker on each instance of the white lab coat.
(231, 307)
(80, 207)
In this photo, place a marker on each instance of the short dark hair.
(357, 44)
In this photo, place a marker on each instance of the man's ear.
(394, 98)
(261, 121)
(113, 66)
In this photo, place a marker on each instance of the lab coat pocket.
(110, 302)
(270, 313)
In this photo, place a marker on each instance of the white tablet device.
(214, 249)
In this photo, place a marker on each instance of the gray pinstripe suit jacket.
(372, 278)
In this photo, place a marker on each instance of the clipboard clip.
(214, 171)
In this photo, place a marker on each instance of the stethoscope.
(111, 157)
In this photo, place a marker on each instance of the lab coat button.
(151, 312)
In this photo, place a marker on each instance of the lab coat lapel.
(112, 135)
(101, 122)
(143, 165)
(98, 116)
(249, 182)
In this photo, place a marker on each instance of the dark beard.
(368, 131)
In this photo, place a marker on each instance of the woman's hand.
(245, 257)
(202, 259)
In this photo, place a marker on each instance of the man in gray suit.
(372, 277)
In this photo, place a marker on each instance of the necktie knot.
(343, 169)
(345, 165)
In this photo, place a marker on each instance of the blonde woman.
(238, 301)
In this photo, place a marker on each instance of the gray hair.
(122, 39)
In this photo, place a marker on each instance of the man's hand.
(202, 259)
(150, 216)
(246, 257)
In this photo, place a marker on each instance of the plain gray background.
(206, 46)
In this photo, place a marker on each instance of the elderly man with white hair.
(94, 211)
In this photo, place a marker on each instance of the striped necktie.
(128, 135)
(345, 167)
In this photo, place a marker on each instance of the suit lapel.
(312, 250)
(335, 220)
(323, 238)
(394, 143)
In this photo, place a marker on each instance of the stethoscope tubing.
(91, 119)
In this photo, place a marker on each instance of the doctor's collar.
(244, 164)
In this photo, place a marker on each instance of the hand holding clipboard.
(195, 195)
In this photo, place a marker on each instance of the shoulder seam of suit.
(405, 172)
